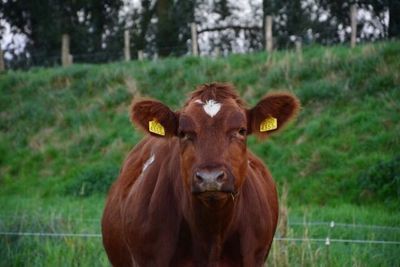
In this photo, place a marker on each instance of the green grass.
(60, 215)
(82, 215)
(64, 133)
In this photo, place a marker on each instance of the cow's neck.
(210, 224)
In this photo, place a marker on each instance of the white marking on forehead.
(148, 162)
(211, 107)
(198, 101)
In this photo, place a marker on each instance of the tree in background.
(394, 18)
(291, 20)
(173, 26)
(141, 22)
(336, 27)
(91, 25)
(163, 26)
(328, 22)
(229, 26)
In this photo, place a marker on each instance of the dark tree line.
(91, 24)
(163, 26)
(325, 21)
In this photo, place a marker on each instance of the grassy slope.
(55, 122)
(59, 123)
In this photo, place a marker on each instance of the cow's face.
(212, 129)
(212, 137)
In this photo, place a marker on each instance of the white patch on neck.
(211, 107)
(148, 162)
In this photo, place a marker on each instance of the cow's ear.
(155, 118)
(272, 113)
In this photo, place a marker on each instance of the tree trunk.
(165, 37)
(394, 18)
(146, 16)
(2, 66)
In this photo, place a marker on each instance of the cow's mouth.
(213, 188)
(214, 199)
(213, 193)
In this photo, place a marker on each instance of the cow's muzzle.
(212, 180)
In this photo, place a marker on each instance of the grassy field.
(65, 132)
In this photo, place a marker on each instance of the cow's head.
(212, 128)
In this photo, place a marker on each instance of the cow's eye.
(239, 134)
(186, 136)
(242, 131)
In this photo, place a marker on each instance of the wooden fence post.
(140, 55)
(268, 34)
(217, 52)
(127, 50)
(66, 57)
(298, 44)
(2, 66)
(353, 17)
(195, 50)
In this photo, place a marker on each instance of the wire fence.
(307, 243)
(330, 224)
(327, 240)
(217, 40)
(349, 225)
(41, 234)
(27, 61)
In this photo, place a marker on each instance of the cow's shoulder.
(259, 185)
(258, 204)
(146, 207)
(145, 160)
(257, 168)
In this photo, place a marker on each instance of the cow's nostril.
(210, 177)
(198, 177)
(220, 176)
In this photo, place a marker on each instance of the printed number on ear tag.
(156, 127)
(268, 124)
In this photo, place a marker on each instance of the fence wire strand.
(293, 239)
(338, 224)
(49, 234)
(313, 223)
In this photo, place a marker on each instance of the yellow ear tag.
(269, 124)
(156, 127)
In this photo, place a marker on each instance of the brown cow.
(192, 194)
